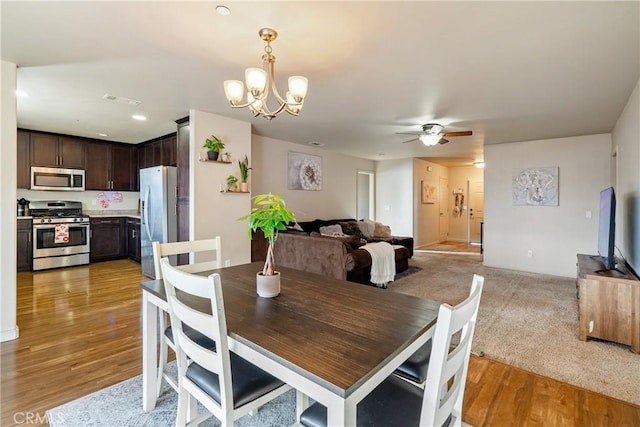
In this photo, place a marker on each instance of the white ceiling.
(509, 71)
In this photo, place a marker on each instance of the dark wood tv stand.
(608, 303)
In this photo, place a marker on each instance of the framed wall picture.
(428, 192)
(304, 171)
(535, 186)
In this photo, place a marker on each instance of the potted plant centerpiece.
(232, 182)
(244, 174)
(270, 215)
(214, 145)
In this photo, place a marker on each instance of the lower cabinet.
(108, 238)
(133, 239)
(25, 245)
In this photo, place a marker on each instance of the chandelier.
(262, 80)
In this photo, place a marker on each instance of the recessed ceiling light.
(316, 144)
(22, 94)
(138, 117)
(223, 10)
(101, 134)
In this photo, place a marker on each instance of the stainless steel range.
(61, 234)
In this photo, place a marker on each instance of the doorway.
(365, 191)
(476, 210)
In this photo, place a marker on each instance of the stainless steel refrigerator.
(158, 205)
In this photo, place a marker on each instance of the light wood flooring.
(449, 246)
(80, 331)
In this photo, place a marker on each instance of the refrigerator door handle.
(145, 211)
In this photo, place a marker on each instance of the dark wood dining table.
(330, 339)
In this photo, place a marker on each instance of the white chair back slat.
(212, 325)
(201, 252)
(443, 399)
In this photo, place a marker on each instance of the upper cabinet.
(23, 168)
(160, 151)
(110, 166)
(57, 151)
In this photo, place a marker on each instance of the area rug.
(529, 321)
(121, 406)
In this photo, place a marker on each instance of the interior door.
(476, 209)
(443, 208)
(365, 191)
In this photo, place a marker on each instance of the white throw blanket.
(383, 262)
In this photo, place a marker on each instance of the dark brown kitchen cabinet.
(133, 239)
(110, 167)
(24, 165)
(108, 240)
(57, 151)
(24, 245)
(169, 149)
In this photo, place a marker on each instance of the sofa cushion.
(381, 230)
(367, 227)
(315, 225)
(331, 230)
(351, 228)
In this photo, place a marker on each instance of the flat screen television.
(607, 228)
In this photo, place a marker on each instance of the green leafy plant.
(270, 215)
(214, 144)
(244, 169)
(231, 182)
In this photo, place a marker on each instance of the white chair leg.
(162, 360)
(302, 403)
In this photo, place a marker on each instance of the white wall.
(626, 141)
(395, 189)
(554, 234)
(8, 144)
(426, 215)
(213, 213)
(337, 199)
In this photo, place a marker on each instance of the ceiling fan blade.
(443, 141)
(461, 133)
(411, 140)
(409, 133)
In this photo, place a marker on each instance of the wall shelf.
(236, 192)
(214, 161)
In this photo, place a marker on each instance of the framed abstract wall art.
(535, 186)
(304, 171)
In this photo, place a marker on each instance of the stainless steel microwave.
(57, 179)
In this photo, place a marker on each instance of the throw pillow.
(331, 230)
(351, 228)
(381, 230)
(367, 227)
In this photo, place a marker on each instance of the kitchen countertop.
(112, 213)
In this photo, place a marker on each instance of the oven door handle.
(52, 225)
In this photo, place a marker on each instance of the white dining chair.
(398, 402)
(206, 248)
(227, 385)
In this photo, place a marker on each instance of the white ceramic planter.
(268, 286)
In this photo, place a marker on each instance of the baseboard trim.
(10, 334)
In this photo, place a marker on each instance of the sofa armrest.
(407, 242)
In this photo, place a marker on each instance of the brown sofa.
(339, 258)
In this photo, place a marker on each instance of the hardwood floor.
(80, 332)
(450, 246)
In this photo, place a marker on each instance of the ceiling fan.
(432, 134)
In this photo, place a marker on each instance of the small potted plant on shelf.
(244, 174)
(214, 145)
(232, 182)
(270, 215)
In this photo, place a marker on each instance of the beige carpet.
(529, 321)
